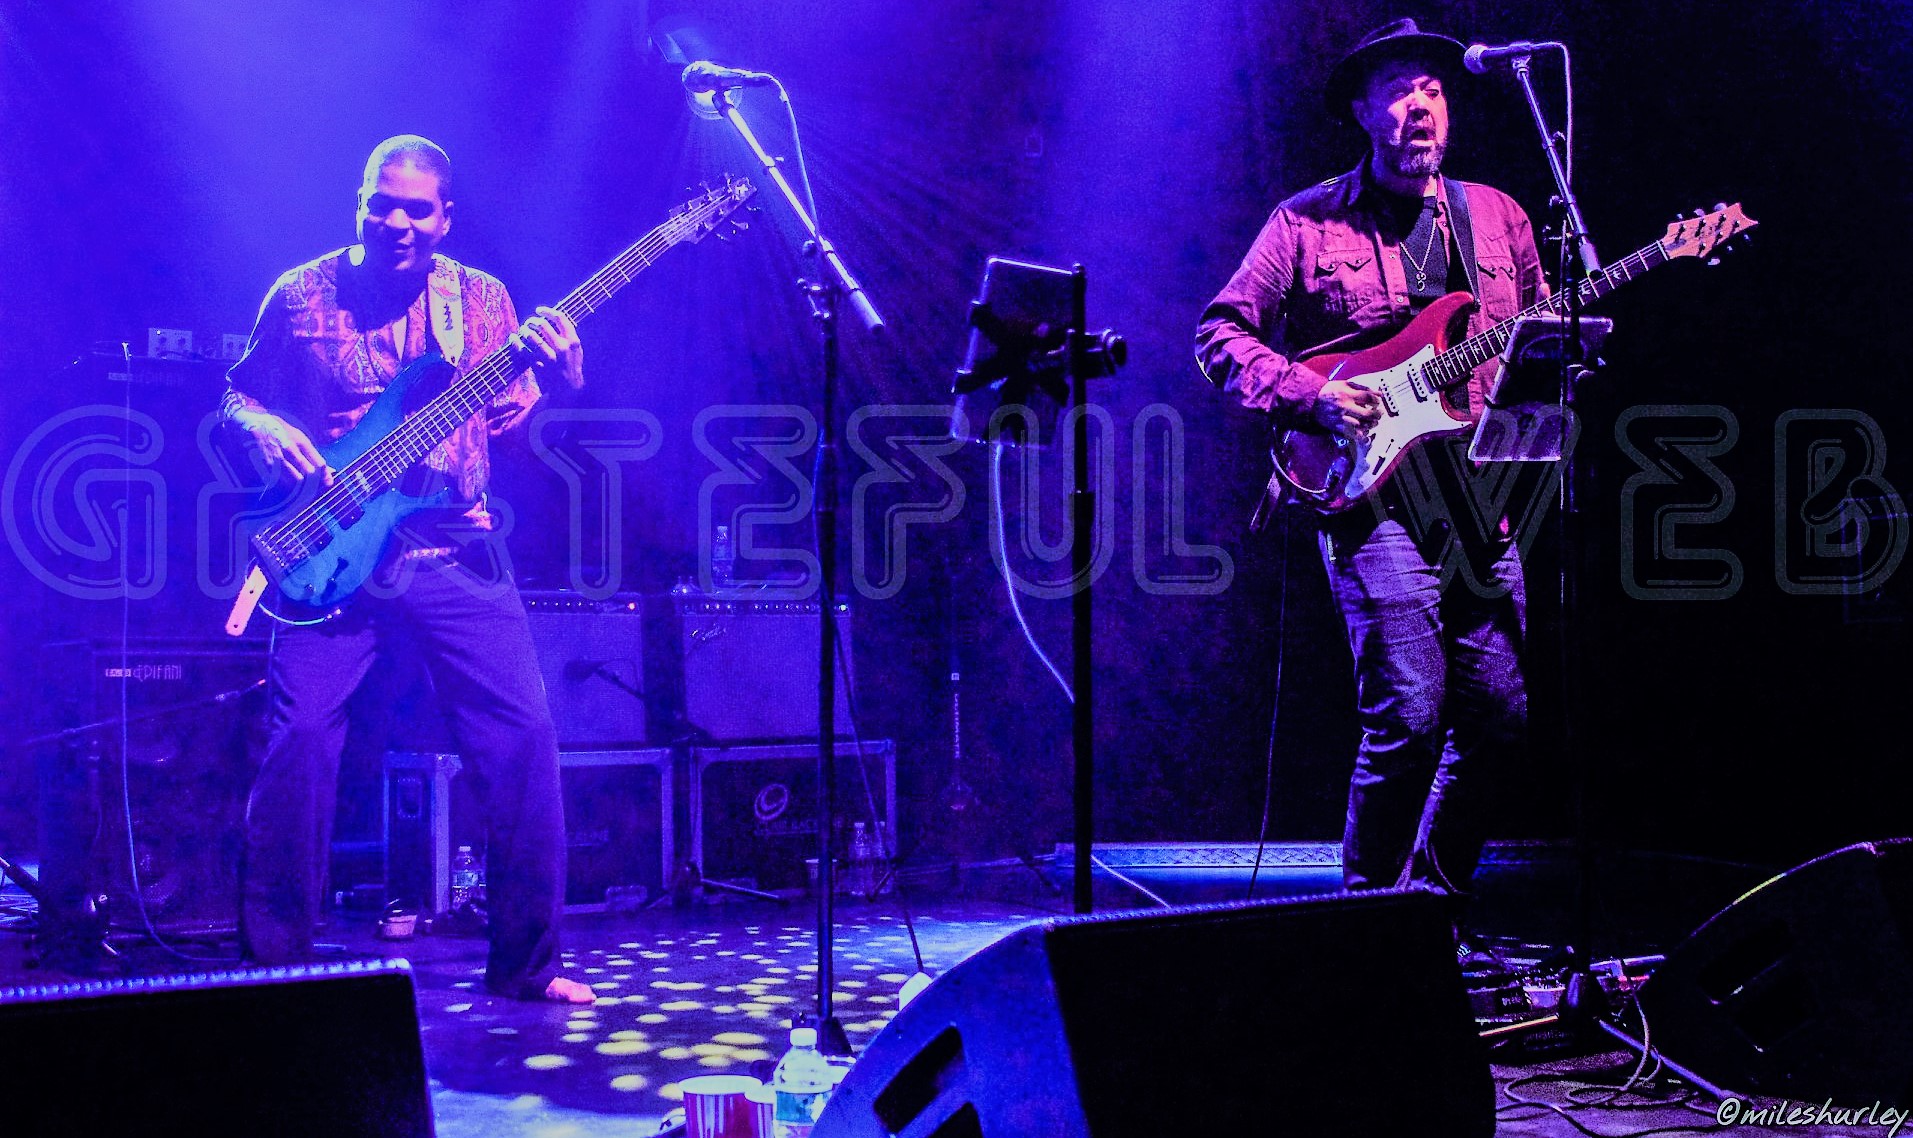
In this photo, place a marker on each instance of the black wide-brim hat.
(1398, 40)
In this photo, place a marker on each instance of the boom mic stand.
(1582, 994)
(834, 283)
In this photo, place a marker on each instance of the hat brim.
(1345, 82)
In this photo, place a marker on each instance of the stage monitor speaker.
(592, 656)
(1803, 987)
(750, 669)
(1340, 1015)
(319, 1050)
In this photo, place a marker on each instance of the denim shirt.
(1328, 267)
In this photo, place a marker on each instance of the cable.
(797, 145)
(1003, 563)
(125, 714)
(1584, 1094)
(1567, 81)
(1138, 886)
(870, 799)
(1275, 710)
(841, 658)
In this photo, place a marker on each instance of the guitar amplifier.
(593, 659)
(750, 668)
(754, 809)
(192, 712)
(619, 833)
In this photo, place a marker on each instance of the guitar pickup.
(344, 514)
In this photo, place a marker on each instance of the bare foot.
(563, 991)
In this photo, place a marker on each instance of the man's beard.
(1407, 161)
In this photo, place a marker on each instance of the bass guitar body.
(317, 564)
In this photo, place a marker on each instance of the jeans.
(477, 647)
(1440, 696)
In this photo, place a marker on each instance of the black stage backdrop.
(159, 166)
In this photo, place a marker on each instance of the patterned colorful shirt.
(311, 361)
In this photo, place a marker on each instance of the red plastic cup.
(763, 1102)
(715, 1106)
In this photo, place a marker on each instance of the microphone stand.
(834, 283)
(1582, 994)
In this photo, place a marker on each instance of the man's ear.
(448, 220)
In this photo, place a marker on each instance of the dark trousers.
(1441, 699)
(477, 646)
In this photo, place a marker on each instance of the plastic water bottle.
(464, 878)
(863, 861)
(723, 559)
(801, 1084)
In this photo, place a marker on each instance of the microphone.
(1479, 56)
(704, 77)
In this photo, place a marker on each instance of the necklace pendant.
(1421, 281)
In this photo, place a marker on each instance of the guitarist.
(330, 336)
(1441, 696)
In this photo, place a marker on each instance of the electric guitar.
(1332, 471)
(311, 554)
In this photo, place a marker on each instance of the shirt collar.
(1369, 195)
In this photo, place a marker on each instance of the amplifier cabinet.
(754, 809)
(750, 668)
(619, 832)
(599, 680)
(185, 756)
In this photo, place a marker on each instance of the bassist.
(330, 336)
(1441, 695)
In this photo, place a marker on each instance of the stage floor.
(710, 987)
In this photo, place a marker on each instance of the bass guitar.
(1332, 471)
(312, 553)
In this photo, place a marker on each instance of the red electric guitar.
(1333, 471)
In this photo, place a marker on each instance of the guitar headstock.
(1705, 232)
(710, 212)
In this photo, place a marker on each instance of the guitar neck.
(1455, 364)
(473, 391)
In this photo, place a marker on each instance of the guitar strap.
(1464, 232)
(445, 309)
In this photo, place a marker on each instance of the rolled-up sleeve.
(1232, 340)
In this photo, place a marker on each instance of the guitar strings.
(393, 455)
(1451, 365)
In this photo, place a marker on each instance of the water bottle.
(862, 861)
(723, 559)
(464, 878)
(800, 1085)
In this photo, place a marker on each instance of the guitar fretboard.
(386, 461)
(1454, 365)
(476, 389)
